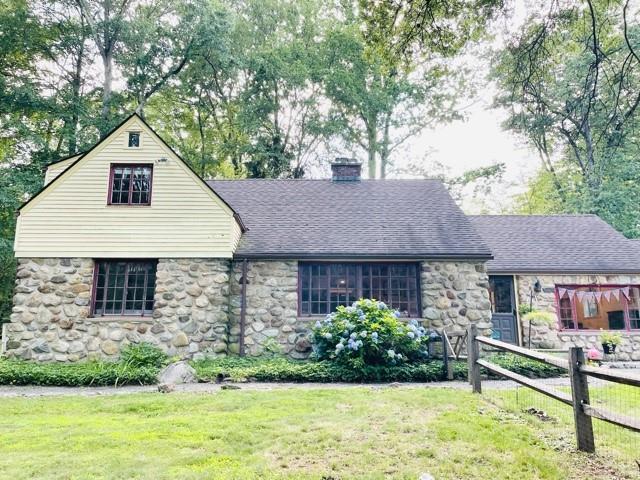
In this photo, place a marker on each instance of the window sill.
(120, 319)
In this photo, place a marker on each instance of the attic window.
(130, 185)
(134, 140)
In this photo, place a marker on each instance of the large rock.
(179, 372)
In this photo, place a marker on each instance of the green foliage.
(15, 372)
(368, 333)
(143, 354)
(610, 338)
(523, 309)
(276, 369)
(539, 317)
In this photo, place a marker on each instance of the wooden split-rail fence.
(579, 371)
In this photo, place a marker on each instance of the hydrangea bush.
(369, 333)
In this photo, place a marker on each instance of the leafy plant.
(143, 354)
(523, 309)
(369, 333)
(539, 317)
(609, 338)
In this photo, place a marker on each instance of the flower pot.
(609, 348)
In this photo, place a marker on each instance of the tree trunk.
(384, 149)
(107, 62)
(372, 150)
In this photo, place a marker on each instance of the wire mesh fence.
(567, 410)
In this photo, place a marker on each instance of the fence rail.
(578, 372)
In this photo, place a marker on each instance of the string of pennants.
(614, 293)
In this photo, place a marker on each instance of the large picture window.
(325, 286)
(124, 287)
(601, 307)
(130, 185)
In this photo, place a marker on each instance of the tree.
(402, 28)
(377, 106)
(572, 81)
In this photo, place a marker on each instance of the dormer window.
(130, 185)
(134, 140)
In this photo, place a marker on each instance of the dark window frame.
(98, 313)
(129, 136)
(359, 268)
(574, 316)
(132, 166)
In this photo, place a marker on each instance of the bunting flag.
(613, 294)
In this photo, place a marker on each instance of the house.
(125, 243)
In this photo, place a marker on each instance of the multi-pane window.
(130, 185)
(325, 286)
(124, 287)
(634, 307)
(566, 313)
(599, 307)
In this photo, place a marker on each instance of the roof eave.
(360, 256)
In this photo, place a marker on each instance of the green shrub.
(369, 333)
(539, 317)
(18, 372)
(284, 370)
(143, 354)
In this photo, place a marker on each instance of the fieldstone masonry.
(197, 308)
(549, 336)
(272, 321)
(455, 294)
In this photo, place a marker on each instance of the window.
(124, 287)
(634, 307)
(566, 313)
(325, 286)
(596, 307)
(130, 185)
(134, 140)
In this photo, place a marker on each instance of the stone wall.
(455, 294)
(548, 335)
(50, 319)
(272, 321)
(197, 307)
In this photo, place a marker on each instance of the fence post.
(473, 354)
(580, 395)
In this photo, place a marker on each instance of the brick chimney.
(345, 170)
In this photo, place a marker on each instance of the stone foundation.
(549, 336)
(272, 321)
(50, 319)
(454, 295)
(197, 307)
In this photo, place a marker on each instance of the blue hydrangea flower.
(318, 324)
(363, 334)
(328, 336)
(409, 334)
(391, 353)
(353, 335)
(397, 313)
(339, 347)
(374, 335)
(382, 305)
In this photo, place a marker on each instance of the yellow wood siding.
(57, 168)
(71, 217)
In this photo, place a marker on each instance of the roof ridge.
(525, 215)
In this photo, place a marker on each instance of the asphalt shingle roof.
(556, 243)
(365, 219)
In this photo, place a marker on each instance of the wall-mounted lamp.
(537, 287)
(163, 160)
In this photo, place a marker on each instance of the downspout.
(243, 306)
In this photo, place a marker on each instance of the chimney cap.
(346, 161)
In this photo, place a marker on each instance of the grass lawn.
(621, 446)
(343, 433)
